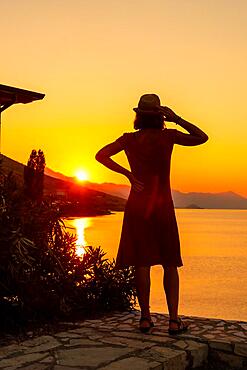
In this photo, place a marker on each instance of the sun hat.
(148, 104)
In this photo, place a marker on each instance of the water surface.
(213, 279)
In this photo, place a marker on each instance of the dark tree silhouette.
(34, 176)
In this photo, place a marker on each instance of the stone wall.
(114, 342)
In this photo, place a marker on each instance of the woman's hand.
(170, 116)
(137, 185)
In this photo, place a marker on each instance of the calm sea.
(213, 280)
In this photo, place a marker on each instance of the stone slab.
(21, 360)
(46, 344)
(221, 344)
(59, 367)
(133, 363)
(9, 350)
(127, 342)
(233, 361)
(35, 367)
(147, 337)
(171, 359)
(67, 334)
(240, 349)
(93, 356)
(198, 352)
(83, 342)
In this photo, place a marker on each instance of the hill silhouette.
(89, 201)
(196, 200)
(114, 195)
(223, 200)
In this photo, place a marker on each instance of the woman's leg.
(142, 277)
(171, 287)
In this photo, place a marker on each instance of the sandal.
(181, 327)
(147, 328)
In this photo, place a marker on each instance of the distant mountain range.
(114, 195)
(223, 200)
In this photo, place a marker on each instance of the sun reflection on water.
(81, 224)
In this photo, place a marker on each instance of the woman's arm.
(195, 137)
(103, 156)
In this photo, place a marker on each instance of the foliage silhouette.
(34, 175)
(41, 275)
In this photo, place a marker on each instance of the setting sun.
(81, 175)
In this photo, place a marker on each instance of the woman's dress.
(149, 233)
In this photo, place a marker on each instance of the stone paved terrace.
(114, 342)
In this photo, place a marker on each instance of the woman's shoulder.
(147, 133)
(129, 135)
(170, 132)
(124, 138)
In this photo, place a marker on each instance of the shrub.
(41, 276)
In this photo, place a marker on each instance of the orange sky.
(93, 59)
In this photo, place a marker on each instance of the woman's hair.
(143, 121)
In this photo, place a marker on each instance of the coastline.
(87, 214)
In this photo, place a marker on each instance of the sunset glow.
(81, 175)
(94, 60)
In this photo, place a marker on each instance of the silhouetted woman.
(149, 231)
